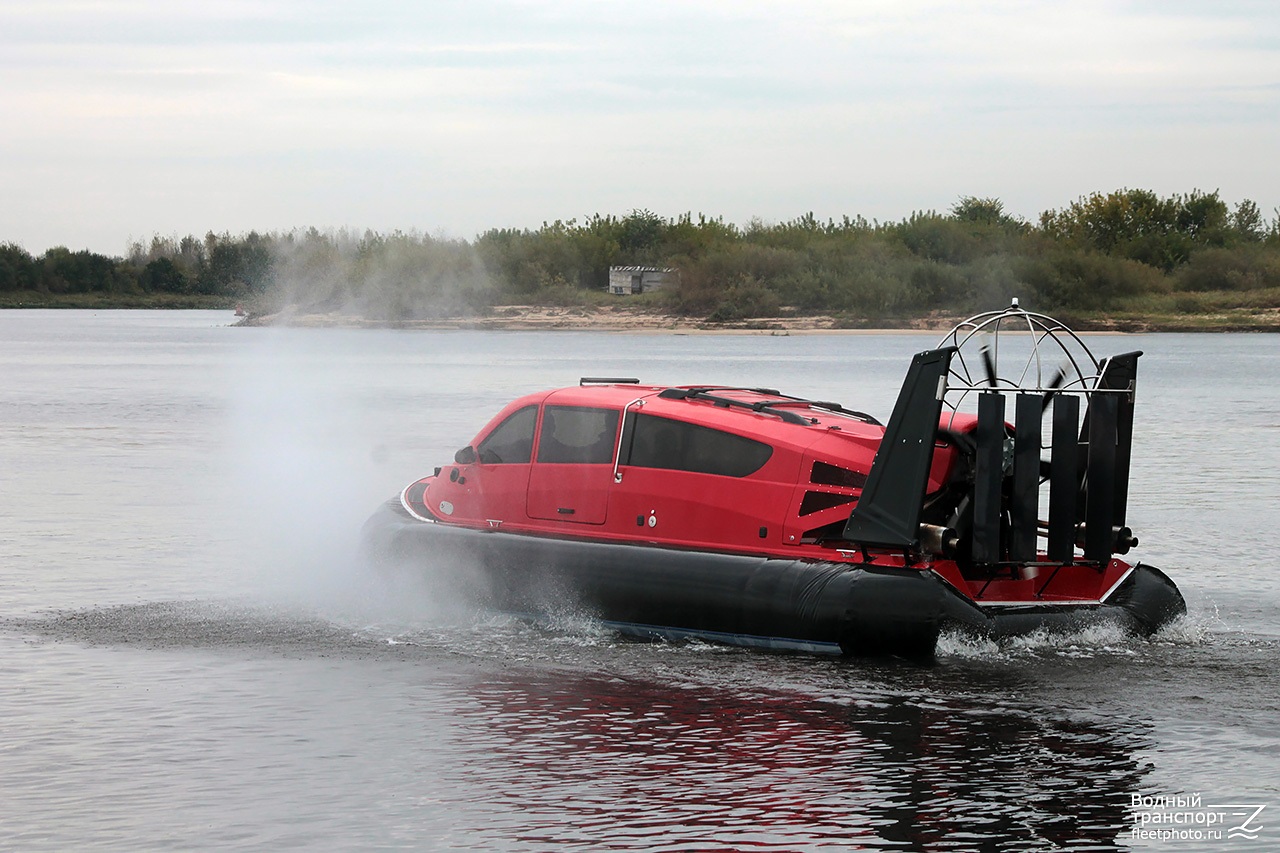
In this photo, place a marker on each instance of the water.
(191, 658)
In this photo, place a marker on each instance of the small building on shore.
(624, 281)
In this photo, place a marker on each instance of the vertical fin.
(1024, 501)
(1122, 373)
(1063, 483)
(888, 512)
(1119, 372)
(1100, 474)
(988, 478)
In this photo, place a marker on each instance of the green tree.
(164, 276)
(17, 268)
(61, 270)
(639, 235)
(984, 211)
(1138, 224)
(1247, 222)
(939, 238)
(234, 266)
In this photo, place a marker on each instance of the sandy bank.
(608, 318)
(638, 320)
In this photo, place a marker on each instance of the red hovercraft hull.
(747, 517)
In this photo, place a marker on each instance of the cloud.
(465, 115)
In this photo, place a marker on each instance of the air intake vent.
(825, 474)
(818, 501)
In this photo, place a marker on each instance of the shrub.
(1087, 280)
(1242, 268)
(744, 300)
(704, 282)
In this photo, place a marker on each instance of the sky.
(120, 120)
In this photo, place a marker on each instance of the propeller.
(1053, 385)
(990, 364)
(1055, 382)
(963, 441)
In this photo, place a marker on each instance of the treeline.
(1125, 250)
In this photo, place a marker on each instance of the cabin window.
(656, 442)
(511, 442)
(578, 434)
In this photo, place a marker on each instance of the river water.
(191, 656)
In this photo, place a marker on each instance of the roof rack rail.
(608, 380)
(830, 407)
(771, 407)
(762, 406)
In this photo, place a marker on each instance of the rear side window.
(512, 441)
(578, 434)
(656, 442)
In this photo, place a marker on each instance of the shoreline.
(616, 319)
(645, 319)
(636, 320)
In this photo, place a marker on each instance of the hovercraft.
(993, 503)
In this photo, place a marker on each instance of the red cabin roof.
(773, 422)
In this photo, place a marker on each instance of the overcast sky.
(123, 119)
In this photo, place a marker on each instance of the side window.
(512, 441)
(577, 434)
(664, 443)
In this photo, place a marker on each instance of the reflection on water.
(601, 742)
(651, 768)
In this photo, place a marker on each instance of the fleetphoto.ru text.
(1185, 817)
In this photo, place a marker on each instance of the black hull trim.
(739, 600)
